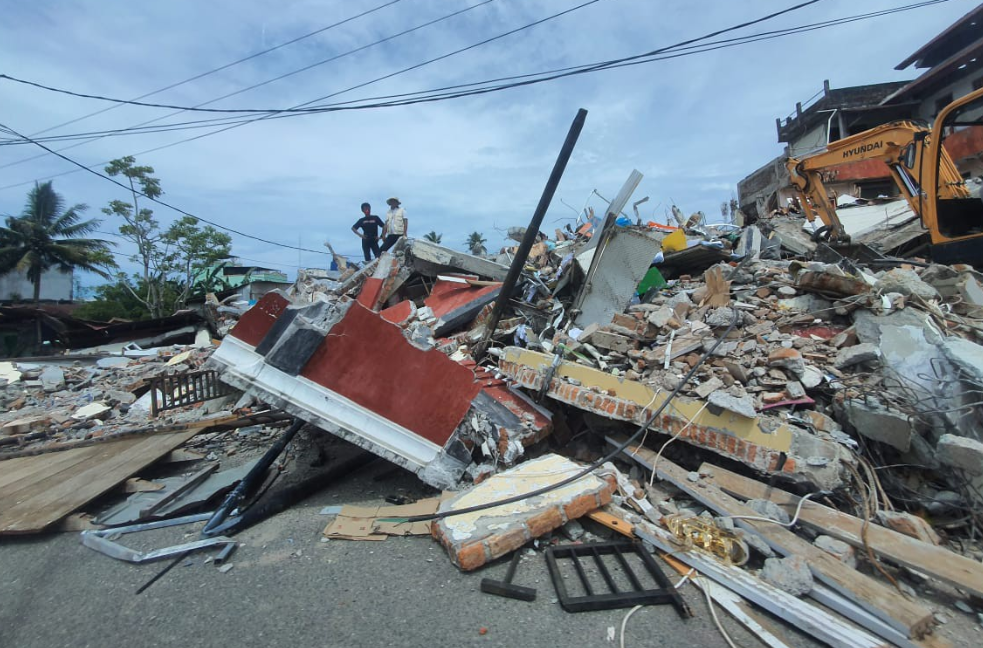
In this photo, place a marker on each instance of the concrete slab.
(473, 539)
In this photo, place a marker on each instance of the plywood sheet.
(36, 492)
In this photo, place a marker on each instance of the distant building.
(55, 286)
(251, 282)
(954, 64)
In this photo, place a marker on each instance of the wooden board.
(881, 601)
(49, 487)
(936, 562)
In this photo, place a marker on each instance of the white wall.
(811, 141)
(961, 88)
(55, 286)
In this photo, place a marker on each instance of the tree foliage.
(433, 237)
(476, 243)
(46, 236)
(170, 259)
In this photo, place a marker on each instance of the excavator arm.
(900, 145)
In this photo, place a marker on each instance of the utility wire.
(437, 95)
(207, 73)
(198, 108)
(387, 76)
(678, 50)
(156, 200)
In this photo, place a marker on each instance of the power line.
(156, 200)
(387, 76)
(198, 107)
(432, 95)
(680, 49)
(205, 74)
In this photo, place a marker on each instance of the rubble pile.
(51, 402)
(791, 428)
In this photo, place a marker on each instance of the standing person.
(397, 224)
(369, 223)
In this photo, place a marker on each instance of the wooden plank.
(27, 474)
(813, 620)
(939, 563)
(612, 522)
(886, 604)
(63, 491)
(741, 610)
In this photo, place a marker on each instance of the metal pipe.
(508, 286)
(252, 479)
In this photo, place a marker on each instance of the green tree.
(120, 300)
(476, 243)
(433, 237)
(192, 249)
(142, 229)
(46, 235)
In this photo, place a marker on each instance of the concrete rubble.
(853, 383)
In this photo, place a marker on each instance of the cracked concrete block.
(720, 317)
(838, 549)
(743, 406)
(790, 359)
(905, 282)
(661, 316)
(857, 354)
(709, 386)
(790, 575)
(960, 452)
(879, 423)
(768, 509)
(473, 539)
(909, 525)
(52, 379)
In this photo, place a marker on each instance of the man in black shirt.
(369, 224)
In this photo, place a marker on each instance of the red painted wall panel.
(253, 326)
(367, 360)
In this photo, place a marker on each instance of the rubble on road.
(630, 374)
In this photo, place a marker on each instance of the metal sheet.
(618, 269)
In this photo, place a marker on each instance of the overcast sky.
(694, 126)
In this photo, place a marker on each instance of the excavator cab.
(958, 206)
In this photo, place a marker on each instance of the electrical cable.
(598, 463)
(577, 70)
(161, 202)
(655, 462)
(624, 622)
(195, 78)
(705, 586)
(430, 95)
(791, 523)
(138, 128)
(439, 98)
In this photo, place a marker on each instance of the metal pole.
(519, 262)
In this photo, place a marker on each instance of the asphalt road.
(288, 588)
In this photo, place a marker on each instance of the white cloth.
(396, 221)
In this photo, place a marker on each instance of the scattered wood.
(810, 619)
(886, 604)
(937, 562)
(736, 606)
(36, 492)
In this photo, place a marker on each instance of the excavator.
(920, 164)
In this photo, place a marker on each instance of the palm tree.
(476, 243)
(46, 236)
(433, 237)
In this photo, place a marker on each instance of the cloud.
(693, 126)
